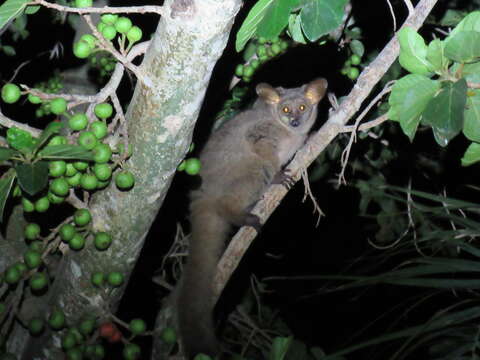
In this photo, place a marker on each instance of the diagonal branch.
(317, 143)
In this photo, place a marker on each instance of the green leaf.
(275, 19)
(413, 52)
(445, 111)
(471, 22)
(280, 347)
(52, 128)
(69, 152)
(319, 17)
(10, 9)
(472, 155)
(452, 17)
(20, 139)
(436, 57)
(471, 72)
(30, 10)
(464, 47)
(6, 153)
(295, 29)
(249, 26)
(471, 125)
(409, 97)
(5, 185)
(32, 177)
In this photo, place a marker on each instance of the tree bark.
(160, 119)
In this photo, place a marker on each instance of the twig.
(370, 76)
(160, 10)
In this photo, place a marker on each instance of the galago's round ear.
(316, 90)
(268, 93)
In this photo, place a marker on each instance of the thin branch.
(160, 10)
(370, 76)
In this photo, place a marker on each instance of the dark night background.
(299, 248)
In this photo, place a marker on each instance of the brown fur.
(239, 162)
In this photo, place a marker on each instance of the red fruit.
(107, 329)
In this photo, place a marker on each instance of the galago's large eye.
(302, 107)
(286, 109)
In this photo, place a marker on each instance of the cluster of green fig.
(350, 68)
(110, 26)
(264, 50)
(104, 63)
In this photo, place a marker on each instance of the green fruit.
(109, 19)
(284, 45)
(57, 140)
(355, 59)
(169, 336)
(77, 242)
(103, 110)
(56, 320)
(248, 71)
(38, 281)
(57, 168)
(32, 259)
(34, 99)
(103, 172)
(134, 34)
(276, 49)
(75, 354)
(109, 32)
(261, 51)
(82, 217)
(78, 122)
(70, 170)
(83, 3)
(80, 165)
(88, 182)
(66, 232)
(137, 326)
(81, 49)
(124, 180)
(12, 275)
(255, 63)
(99, 129)
(59, 186)
(353, 73)
(2, 308)
(55, 199)
(99, 351)
(87, 140)
(10, 93)
(102, 184)
(192, 166)
(87, 326)
(131, 352)
(58, 106)
(262, 40)
(21, 267)
(123, 24)
(89, 39)
(74, 180)
(239, 70)
(97, 279)
(32, 231)
(35, 325)
(102, 240)
(102, 153)
(68, 341)
(115, 278)
(36, 246)
(42, 204)
(27, 205)
(101, 26)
